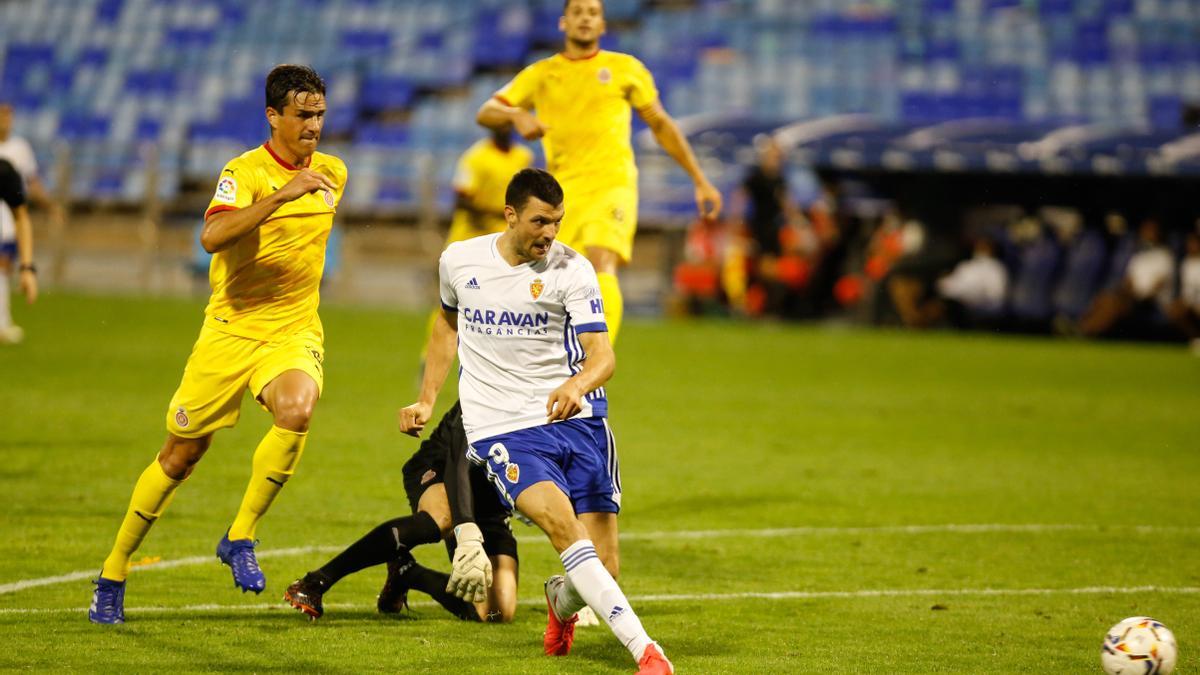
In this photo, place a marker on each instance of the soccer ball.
(1138, 645)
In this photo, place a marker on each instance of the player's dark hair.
(532, 183)
(287, 78)
(567, 3)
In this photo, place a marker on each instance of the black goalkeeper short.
(427, 466)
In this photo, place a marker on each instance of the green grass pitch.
(797, 499)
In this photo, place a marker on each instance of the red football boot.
(654, 663)
(559, 635)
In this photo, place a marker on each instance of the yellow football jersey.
(266, 285)
(586, 103)
(482, 176)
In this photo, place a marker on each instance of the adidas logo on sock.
(473, 284)
(616, 611)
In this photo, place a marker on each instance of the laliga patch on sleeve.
(226, 190)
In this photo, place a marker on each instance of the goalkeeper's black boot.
(305, 594)
(393, 597)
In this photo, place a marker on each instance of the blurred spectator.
(1144, 290)
(1184, 312)
(12, 197)
(18, 153)
(969, 295)
(911, 281)
(709, 278)
(977, 286)
(779, 240)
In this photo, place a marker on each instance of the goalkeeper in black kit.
(450, 500)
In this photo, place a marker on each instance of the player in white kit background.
(525, 316)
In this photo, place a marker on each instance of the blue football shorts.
(578, 455)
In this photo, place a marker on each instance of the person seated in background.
(927, 255)
(974, 289)
(1184, 312)
(1145, 287)
(702, 277)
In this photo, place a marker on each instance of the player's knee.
(443, 521)
(294, 412)
(180, 455)
(563, 530)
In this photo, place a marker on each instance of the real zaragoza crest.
(535, 288)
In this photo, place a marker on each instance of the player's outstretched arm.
(672, 140)
(598, 367)
(223, 228)
(496, 115)
(443, 344)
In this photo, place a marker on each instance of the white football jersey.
(518, 332)
(18, 153)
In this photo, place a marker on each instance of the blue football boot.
(239, 555)
(108, 602)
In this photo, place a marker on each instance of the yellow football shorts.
(606, 218)
(222, 366)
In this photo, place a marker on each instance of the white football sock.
(566, 599)
(590, 581)
(5, 311)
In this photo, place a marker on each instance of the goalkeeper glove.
(472, 574)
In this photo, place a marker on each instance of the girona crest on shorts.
(535, 288)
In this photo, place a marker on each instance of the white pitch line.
(951, 528)
(163, 565)
(683, 597)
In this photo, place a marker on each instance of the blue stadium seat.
(1083, 271)
(1031, 293)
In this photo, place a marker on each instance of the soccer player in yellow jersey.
(480, 179)
(583, 97)
(266, 226)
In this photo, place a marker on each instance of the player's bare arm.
(496, 115)
(566, 401)
(29, 286)
(672, 140)
(443, 346)
(223, 228)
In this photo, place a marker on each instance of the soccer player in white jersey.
(526, 315)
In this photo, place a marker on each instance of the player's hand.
(29, 286)
(304, 182)
(564, 402)
(708, 200)
(472, 575)
(412, 419)
(529, 126)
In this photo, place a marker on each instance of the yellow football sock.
(151, 495)
(614, 304)
(274, 463)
